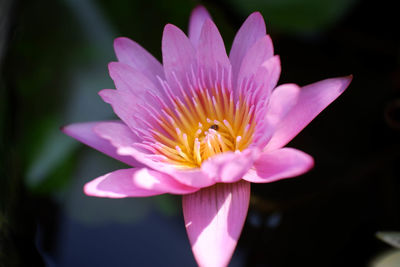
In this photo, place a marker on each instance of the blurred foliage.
(50, 157)
(387, 259)
(296, 16)
(391, 238)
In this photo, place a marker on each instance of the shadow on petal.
(214, 219)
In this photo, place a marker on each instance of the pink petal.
(260, 52)
(130, 80)
(133, 54)
(251, 31)
(281, 101)
(197, 19)
(261, 83)
(279, 164)
(211, 49)
(312, 100)
(263, 132)
(118, 134)
(179, 56)
(124, 105)
(137, 182)
(127, 144)
(84, 132)
(230, 167)
(214, 219)
(269, 73)
(191, 177)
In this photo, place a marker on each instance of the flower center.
(206, 123)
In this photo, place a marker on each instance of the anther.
(214, 127)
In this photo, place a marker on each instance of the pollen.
(200, 123)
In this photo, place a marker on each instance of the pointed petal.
(279, 164)
(211, 49)
(230, 167)
(312, 100)
(137, 182)
(251, 31)
(260, 52)
(214, 219)
(179, 56)
(197, 19)
(131, 53)
(84, 132)
(281, 101)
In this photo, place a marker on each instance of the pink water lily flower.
(203, 125)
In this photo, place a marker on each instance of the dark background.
(54, 56)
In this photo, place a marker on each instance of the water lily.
(203, 125)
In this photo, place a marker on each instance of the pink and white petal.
(230, 167)
(84, 132)
(312, 100)
(179, 57)
(279, 164)
(249, 33)
(136, 182)
(281, 101)
(197, 19)
(131, 53)
(154, 180)
(214, 219)
(260, 52)
(211, 49)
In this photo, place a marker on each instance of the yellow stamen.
(202, 125)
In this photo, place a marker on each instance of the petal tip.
(111, 66)
(121, 39)
(91, 189)
(169, 27)
(105, 95)
(308, 161)
(199, 8)
(258, 18)
(256, 14)
(345, 80)
(349, 79)
(170, 32)
(118, 41)
(311, 163)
